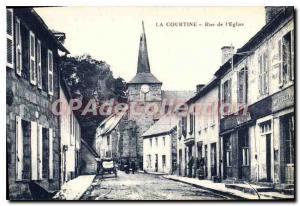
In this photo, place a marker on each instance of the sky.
(180, 57)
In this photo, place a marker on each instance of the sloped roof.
(144, 77)
(177, 94)
(89, 148)
(211, 84)
(164, 125)
(110, 123)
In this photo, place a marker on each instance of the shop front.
(274, 139)
(235, 147)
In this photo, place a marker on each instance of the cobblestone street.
(144, 187)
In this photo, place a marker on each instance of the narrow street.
(144, 187)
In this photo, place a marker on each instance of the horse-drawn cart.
(107, 165)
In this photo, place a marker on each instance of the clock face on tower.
(145, 88)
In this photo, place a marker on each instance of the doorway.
(180, 162)
(227, 156)
(243, 154)
(287, 148)
(213, 160)
(268, 157)
(265, 152)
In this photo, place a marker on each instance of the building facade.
(198, 136)
(257, 95)
(160, 153)
(108, 137)
(70, 134)
(32, 86)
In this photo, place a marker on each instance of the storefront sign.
(283, 99)
(233, 121)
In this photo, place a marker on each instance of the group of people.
(129, 165)
(197, 164)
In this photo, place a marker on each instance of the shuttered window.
(50, 72)
(242, 85)
(34, 151)
(19, 149)
(263, 74)
(18, 40)
(280, 63)
(9, 38)
(226, 96)
(39, 63)
(45, 162)
(292, 55)
(40, 151)
(32, 59)
(51, 153)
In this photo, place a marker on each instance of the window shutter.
(32, 59)
(50, 72)
(280, 63)
(50, 153)
(34, 151)
(40, 151)
(39, 63)
(229, 91)
(292, 54)
(9, 38)
(223, 93)
(19, 149)
(266, 69)
(18, 47)
(246, 85)
(260, 74)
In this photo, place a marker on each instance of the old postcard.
(150, 103)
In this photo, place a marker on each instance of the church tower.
(144, 87)
(144, 91)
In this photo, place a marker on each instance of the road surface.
(144, 187)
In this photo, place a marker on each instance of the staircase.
(263, 189)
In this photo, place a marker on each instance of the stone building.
(257, 95)
(116, 138)
(32, 86)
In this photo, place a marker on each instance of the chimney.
(227, 52)
(272, 11)
(199, 87)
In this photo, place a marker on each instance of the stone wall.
(28, 103)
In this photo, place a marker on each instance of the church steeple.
(143, 59)
(143, 74)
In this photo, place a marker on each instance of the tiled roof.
(141, 78)
(110, 123)
(164, 125)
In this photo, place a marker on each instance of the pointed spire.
(143, 60)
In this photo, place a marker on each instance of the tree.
(90, 79)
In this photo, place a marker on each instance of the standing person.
(127, 166)
(133, 166)
(190, 164)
